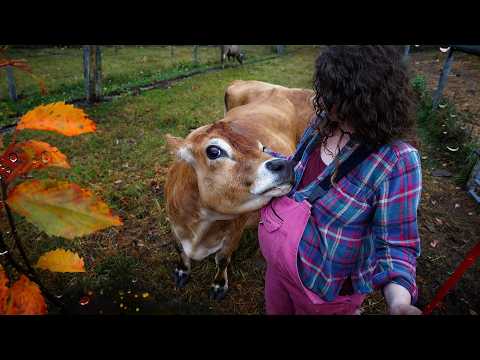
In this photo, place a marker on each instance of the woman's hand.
(399, 300)
(404, 309)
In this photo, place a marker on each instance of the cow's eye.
(214, 152)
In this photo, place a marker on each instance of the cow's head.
(234, 174)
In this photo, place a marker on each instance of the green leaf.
(60, 208)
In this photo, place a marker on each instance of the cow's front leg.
(219, 286)
(220, 282)
(182, 268)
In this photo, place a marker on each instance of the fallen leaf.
(26, 298)
(59, 117)
(60, 208)
(61, 260)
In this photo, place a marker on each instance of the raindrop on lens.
(84, 300)
(45, 157)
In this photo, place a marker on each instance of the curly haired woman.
(349, 225)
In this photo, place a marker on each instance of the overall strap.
(355, 159)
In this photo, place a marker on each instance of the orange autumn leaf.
(25, 299)
(61, 260)
(3, 290)
(60, 208)
(32, 154)
(59, 117)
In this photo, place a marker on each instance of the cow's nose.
(276, 165)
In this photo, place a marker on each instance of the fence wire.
(123, 67)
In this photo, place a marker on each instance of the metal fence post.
(406, 53)
(12, 89)
(443, 79)
(280, 49)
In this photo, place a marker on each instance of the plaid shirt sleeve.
(397, 242)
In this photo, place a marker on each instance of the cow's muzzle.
(282, 168)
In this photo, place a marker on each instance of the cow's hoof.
(218, 292)
(181, 278)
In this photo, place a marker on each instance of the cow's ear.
(178, 147)
(174, 143)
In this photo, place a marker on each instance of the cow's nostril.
(275, 165)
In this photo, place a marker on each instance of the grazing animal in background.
(222, 176)
(232, 51)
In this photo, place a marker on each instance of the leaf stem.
(29, 272)
(13, 228)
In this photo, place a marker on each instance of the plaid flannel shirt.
(365, 226)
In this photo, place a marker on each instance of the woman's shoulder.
(393, 159)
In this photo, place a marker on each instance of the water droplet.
(45, 157)
(137, 309)
(136, 295)
(84, 300)
(13, 157)
(121, 305)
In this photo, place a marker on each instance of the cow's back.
(240, 93)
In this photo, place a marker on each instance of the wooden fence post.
(222, 54)
(92, 72)
(12, 89)
(195, 54)
(443, 79)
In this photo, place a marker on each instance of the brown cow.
(222, 174)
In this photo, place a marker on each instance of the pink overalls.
(282, 223)
(281, 228)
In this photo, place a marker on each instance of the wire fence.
(122, 67)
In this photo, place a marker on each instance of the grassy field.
(124, 67)
(125, 162)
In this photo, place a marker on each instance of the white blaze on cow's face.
(234, 174)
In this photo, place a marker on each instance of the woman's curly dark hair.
(370, 89)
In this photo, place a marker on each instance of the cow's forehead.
(241, 144)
